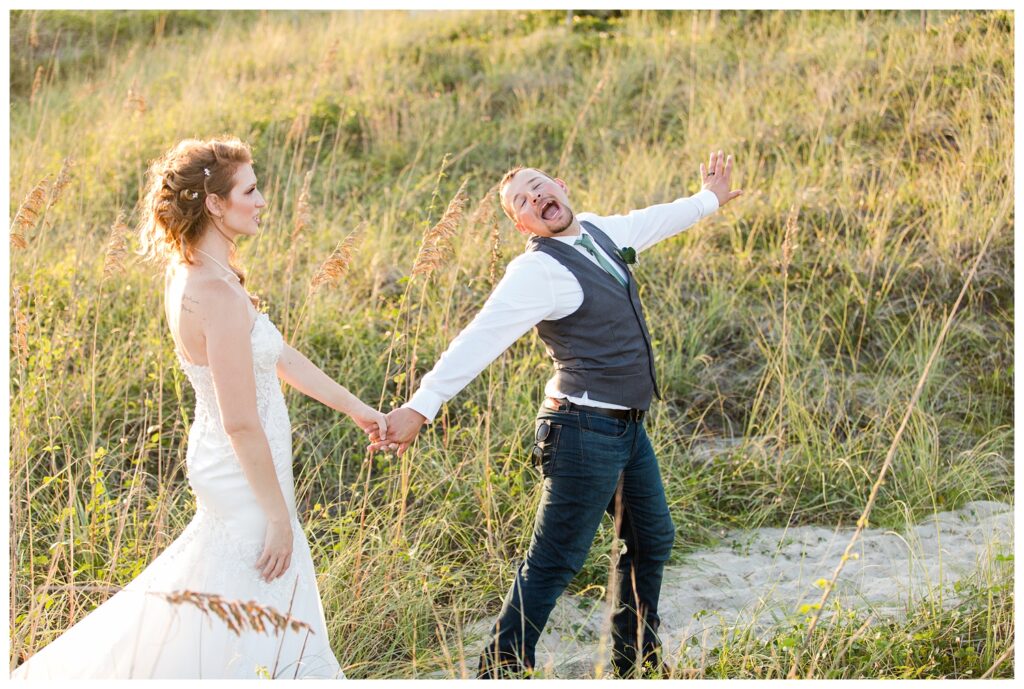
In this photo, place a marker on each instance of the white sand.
(758, 580)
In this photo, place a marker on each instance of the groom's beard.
(568, 223)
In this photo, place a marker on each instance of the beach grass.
(787, 357)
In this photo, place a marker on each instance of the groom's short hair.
(508, 178)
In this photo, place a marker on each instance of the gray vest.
(603, 348)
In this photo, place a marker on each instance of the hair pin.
(206, 171)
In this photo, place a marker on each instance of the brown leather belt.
(556, 404)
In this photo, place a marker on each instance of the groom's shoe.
(507, 670)
(650, 667)
(500, 665)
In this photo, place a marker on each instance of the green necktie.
(587, 243)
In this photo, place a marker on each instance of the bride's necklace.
(231, 272)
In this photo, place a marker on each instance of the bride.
(235, 595)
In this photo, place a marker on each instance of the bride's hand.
(277, 550)
(372, 421)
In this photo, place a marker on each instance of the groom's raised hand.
(717, 178)
(403, 425)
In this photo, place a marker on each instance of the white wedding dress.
(137, 633)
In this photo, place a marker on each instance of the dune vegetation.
(794, 330)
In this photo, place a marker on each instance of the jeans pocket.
(605, 426)
(545, 443)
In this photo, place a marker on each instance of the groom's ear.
(562, 184)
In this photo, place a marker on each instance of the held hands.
(717, 177)
(403, 424)
(372, 421)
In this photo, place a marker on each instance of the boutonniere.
(628, 255)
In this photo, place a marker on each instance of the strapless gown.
(140, 633)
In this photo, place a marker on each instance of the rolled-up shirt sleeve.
(524, 297)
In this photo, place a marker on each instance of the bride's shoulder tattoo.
(187, 298)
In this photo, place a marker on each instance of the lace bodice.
(207, 428)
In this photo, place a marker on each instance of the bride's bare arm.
(227, 327)
(303, 375)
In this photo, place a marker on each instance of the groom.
(574, 284)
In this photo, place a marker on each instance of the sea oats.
(336, 265)
(20, 326)
(37, 85)
(63, 179)
(326, 66)
(299, 126)
(485, 209)
(33, 32)
(135, 101)
(302, 208)
(436, 240)
(430, 258)
(239, 616)
(28, 214)
(495, 262)
(788, 245)
(789, 239)
(484, 217)
(117, 248)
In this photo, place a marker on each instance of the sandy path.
(759, 578)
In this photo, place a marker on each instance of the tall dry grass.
(800, 355)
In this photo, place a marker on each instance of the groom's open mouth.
(550, 210)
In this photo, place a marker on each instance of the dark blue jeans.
(592, 464)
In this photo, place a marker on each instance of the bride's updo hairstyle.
(174, 213)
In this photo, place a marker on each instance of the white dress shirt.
(535, 288)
